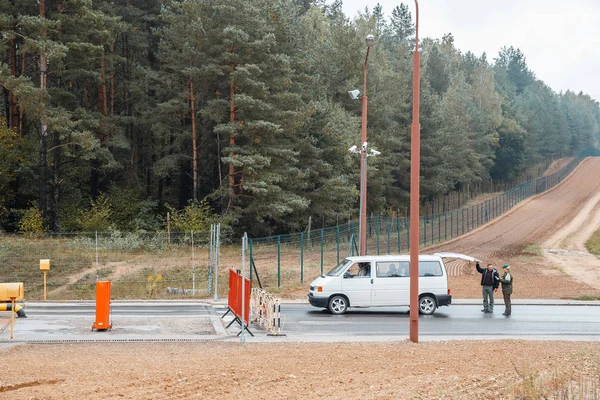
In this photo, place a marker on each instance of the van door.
(432, 278)
(391, 284)
(357, 283)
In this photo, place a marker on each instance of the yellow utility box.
(44, 265)
(9, 291)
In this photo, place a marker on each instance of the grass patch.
(533, 249)
(593, 243)
(587, 297)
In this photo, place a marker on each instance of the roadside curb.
(223, 303)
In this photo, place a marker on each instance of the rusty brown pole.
(363, 160)
(415, 148)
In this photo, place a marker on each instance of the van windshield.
(341, 267)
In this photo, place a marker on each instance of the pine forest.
(114, 114)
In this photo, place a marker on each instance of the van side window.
(358, 270)
(430, 268)
(394, 269)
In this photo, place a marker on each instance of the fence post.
(210, 259)
(407, 226)
(322, 245)
(193, 267)
(337, 243)
(377, 231)
(398, 228)
(424, 230)
(168, 229)
(96, 250)
(217, 259)
(389, 228)
(251, 259)
(446, 225)
(301, 257)
(451, 223)
(457, 234)
(439, 227)
(352, 237)
(278, 262)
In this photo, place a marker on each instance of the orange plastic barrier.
(102, 306)
(234, 298)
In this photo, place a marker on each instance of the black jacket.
(484, 272)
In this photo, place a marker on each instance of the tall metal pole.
(362, 227)
(415, 147)
(244, 247)
(363, 158)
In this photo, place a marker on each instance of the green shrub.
(32, 222)
(195, 217)
(98, 217)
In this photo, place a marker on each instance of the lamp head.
(375, 152)
(370, 40)
(352, 149)
(364, 146)
(354, 94)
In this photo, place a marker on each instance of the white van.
(381, 281)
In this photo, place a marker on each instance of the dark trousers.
(488, 297)
(506, 303)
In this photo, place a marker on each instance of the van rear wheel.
(427, 305)
(338, 305)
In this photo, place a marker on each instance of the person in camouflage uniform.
(507, 281)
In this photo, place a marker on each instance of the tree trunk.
(112, 78)
(102, 106)
(88, 86)
(232, 137)
(43, 124)
(13, 115)
(56, 184)
(194, 149)
(20, 108)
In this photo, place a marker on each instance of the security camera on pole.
(362, 227)
(355, 94)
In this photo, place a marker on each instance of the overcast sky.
(559, 38)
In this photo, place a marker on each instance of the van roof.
(397, 257)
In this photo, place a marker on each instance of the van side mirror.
(347, 275)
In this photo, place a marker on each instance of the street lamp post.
(415, 146)
(370, 39)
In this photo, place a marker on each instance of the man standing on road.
(489, 284)
(507, 281)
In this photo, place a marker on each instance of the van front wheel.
(338, 305)
(427, 305)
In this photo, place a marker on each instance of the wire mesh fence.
(286, 261)
(140, 264)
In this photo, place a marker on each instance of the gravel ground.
(403, 370)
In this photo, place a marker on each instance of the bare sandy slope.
(566, 250)
(558, 218)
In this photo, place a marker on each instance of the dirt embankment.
(563, 217)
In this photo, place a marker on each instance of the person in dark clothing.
(490, 281)
(507, 281)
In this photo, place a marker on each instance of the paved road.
(566, 322)
(306, 323)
